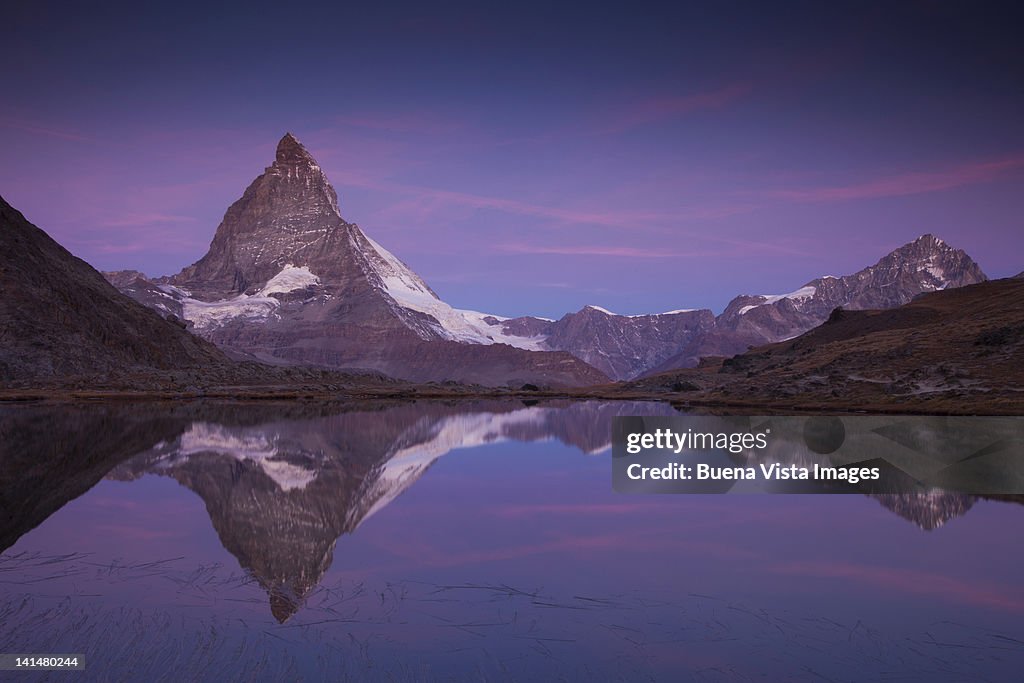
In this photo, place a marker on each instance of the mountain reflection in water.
(280, 492)
(493, 553)
(281, 483)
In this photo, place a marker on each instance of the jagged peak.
(925, 247)
(291, 152)
(930, 239)
(935, 255)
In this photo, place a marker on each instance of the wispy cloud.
(918, 182)
(611, 217)
(586, 509)
(656, 109)
(909, 581)
(429, 199)
(662, 222)
(49, 131)
(595, 250)
(144, 219)
(432, 197)
(419, 123)
(167, 241)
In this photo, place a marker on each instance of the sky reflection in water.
(417, 541)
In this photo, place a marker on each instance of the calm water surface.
(474, 541)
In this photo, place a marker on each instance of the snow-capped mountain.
(288, 280)
(627, 346)
(927, 264)
(621, 346)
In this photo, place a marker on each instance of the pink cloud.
(49, 131)
(425, 553)
(909, 581)
(431, 197)
(137, 219)
(137, 533)
(580, 509)
(430, 200)
(595, 250)
(408, 123)
(655, 109)
(919, 182)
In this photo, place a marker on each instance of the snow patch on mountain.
(207, 315)
(800, 294)
(599, 309)
(409, 291)
(289, 279)
(256, 446)
(470, 430)
(495, 332)
(174, 292)
(932, 267)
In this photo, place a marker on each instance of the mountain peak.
(290, 152)
(930, 240)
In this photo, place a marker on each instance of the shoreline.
(805, 405)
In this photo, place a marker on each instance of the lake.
(468, 541)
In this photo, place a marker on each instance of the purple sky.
(533, 159)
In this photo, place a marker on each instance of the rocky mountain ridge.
(288, 281)
(952, 351)
(629, 346)
(59, 317)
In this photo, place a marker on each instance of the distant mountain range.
(955, 351)
(288, 281)
(626, 347)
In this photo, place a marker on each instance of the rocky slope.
(955, 350)
(50, 455)
(625, 346)
(287, 280)
(925, 265)
(629, 346)
(59, 317)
